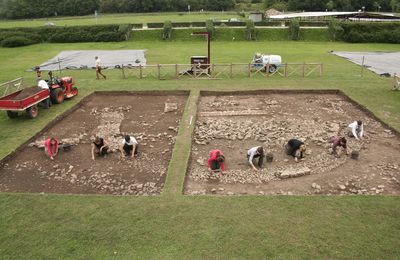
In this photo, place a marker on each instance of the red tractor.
(61, 88)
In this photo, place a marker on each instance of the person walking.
(98, 68)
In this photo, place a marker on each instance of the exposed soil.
(27, 92)
(110, 116)
(235, 123)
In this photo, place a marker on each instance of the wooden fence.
(220, 71)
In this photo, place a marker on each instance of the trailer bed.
(23, 99)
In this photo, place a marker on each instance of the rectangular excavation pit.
(112, 115)
(236, 121)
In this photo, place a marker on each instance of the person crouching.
(256, 153)
(129, 147)
(51, 147)
(295, 148)
(216, 161)
(99, 147)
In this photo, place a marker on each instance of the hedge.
(188, 24)
(16, 41)
(371, 32)
(267, 23)
(155, 25)
(198, 24)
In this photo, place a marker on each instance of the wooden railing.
(11, 86)
(219, 71)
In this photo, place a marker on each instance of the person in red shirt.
(216, 162)
(51, 147)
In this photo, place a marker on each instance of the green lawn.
(120, 19)
(173, 226)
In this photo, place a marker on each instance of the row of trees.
(338, 5)
(16, 9)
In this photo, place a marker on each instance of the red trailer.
(28, 99)
(25, 100)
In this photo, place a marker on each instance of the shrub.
(167, 30)
(250, 30)
(35, 38)
(198, 24)
(371, 32)
(110, 37)
(125, 30)
(294, 30)
(183, 24)
(334, 29)
(155, 25)
(210, 28)
(16, 41)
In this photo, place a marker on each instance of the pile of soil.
(27, 92)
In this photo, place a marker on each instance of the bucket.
(269, 157)
(354, 155)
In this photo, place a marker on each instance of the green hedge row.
(371, 32)
(98, 33)
(233, 34)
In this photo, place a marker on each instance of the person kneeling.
(338, 142)
(216, 161)
(129, 147)
(51, 147)
(99, 147)
(254, 153)
(295, 148)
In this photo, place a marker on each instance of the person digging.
(99, 147)
(129, 147)
(356, 130)
(295, 148)
(51, 147)
(254, 154)
(337, 142)
(216, 161)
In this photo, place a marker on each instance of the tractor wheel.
(46, 103)
(32, 111)
(12, 114)
(74, 91)
(272, 69)
(57, 96)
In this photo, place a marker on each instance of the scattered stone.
(342, 187)
(170, 107)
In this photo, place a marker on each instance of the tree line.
(18, 9)
(334, 5)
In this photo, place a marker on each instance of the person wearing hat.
(256, 152)
(295, 148)
(216, 161)
(99, 147)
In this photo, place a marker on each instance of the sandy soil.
(110, 116)
(235, 123)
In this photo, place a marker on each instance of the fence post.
(140, 71)
(231, 71)
(158, 71)
(286, 70)
(304, 69)
(176, 71)
(123, 72)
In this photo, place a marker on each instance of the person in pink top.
(51, 147)
(216, 161)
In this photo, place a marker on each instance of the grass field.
(173, 226)
(120, 19)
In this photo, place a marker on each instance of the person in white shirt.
(129, 147)
(43, 84)
(98, 68)
(253, 153)
(356, 129)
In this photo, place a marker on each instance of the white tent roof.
(309, 14)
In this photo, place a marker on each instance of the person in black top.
(99, 147)
(295, 148)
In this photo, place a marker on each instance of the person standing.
(254, 153)
(295, 148)
(51, 147)
(356, 129)
(38, 74)
(129, 147)
(98, 68)
(99, 147)
(216, 161)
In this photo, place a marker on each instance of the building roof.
(326, 14)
